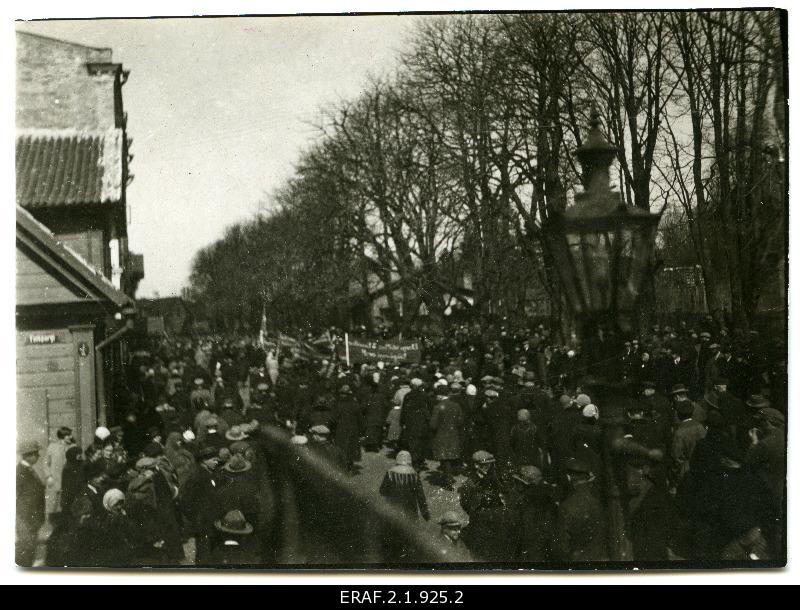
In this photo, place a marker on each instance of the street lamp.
(601, 247)
(602, 250)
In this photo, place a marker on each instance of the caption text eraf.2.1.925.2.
(402, 596)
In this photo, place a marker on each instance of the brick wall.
(55, 89)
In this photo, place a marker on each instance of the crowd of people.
(693, 459)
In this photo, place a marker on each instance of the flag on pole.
(262, 333)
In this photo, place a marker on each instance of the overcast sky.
(218, 110)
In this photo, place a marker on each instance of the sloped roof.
(35, 234)
(64, 167)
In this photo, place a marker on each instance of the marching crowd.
(692, 457)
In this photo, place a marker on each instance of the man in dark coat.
(319, 442)
(526, 445)
(199, 501)
(234, 544)
(447, 423)
(581, 528)
(489, 534)
(231, 412)
(531, 503)
(347, 422)
(733, 411)
(415, 420)
(30, 505)
(374, 413)
(239, 489)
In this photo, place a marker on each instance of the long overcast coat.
(348, 429)
(447, 422)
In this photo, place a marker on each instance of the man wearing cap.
(489, 533)
(199, 501)
(766, 454)
(581, 529)
(319, 443)
(450, 539)
(533, 508)
(447, 424)
(704, 354)
(30, 515)
(643, 454)
(500, 419)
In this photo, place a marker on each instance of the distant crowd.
(692, 456)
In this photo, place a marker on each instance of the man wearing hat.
(447, 424)
(234, 542)
(679, 394)
(212, 433)
(658, 404)
(489, 533)
(231, 412)
(733, 410)
(581, 529)
(241, 489)
(30, 515)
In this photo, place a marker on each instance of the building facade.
(76, 278)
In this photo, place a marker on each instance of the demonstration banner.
(391, 352)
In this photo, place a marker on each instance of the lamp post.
(603, 249)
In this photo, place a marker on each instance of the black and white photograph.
(443, 291)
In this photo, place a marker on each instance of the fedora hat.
(29, 447)
(757, 401)
(712, 400)
(450, 519)
(234, 522)
(679, 389)
(237, 464)
(236, 434)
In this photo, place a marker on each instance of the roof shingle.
(68, 167)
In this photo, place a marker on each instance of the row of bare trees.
(430, 188)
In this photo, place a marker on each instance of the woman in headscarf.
(73, 479)
(403, 488)
(114, 535)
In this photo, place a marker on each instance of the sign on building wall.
(42, 339)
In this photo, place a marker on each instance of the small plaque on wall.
(42, 339)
